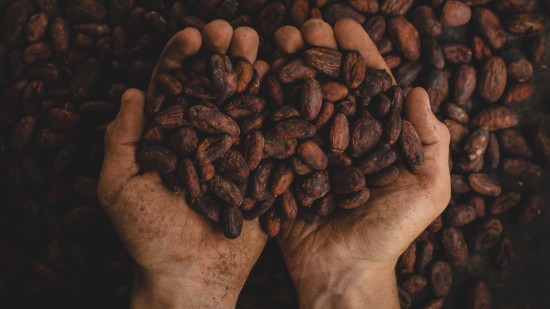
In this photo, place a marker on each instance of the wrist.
(357, 286)
(184, 288)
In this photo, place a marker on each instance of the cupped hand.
(182, 258)
(348, 259)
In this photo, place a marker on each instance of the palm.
(170, 232)
(375, 233)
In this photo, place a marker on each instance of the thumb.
(121, 137)
(433, 134)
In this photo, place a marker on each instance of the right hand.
(348, 260)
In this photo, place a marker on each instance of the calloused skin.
(183, 260)
(347, 261)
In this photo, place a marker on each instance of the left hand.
(183, 259)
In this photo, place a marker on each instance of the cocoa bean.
(531, 209)
(187, 174)
(490, 27)
(460, 215)
(542, 144)
(410, 144)
(288, 208)
(232, 221)
(299, 167)
(334, 91)
(441, 278)
(156, 159)
(281, 179)
(22, 132)
(339, 134)
(479, 296)
(487, 236)
(274, 90)
(518, 93)
(455, 246)
(324, 60)
(414, 283)
(392, 126)
(271, 222)
(285, 112)
(505, 254)
(325, 205)
(423, 17)
(259, 182)
(354, 68)
(479, 48)
(169, 84)
(476, 144)
(456, 53)
(521, 169)
(294, 71)
(459, 185)
(354, 200)
(437, 87)
(525, 24)
(347, 180)
(233, 166)
(364, 135)
(311, 99)
(172, 117)
(424, 256)
(383, 177)
(484, 184)
(495, 118)
(338, 11)
(405, 264)
(455, 13)
(253, 148)
(395, 7)
(405, 36)
(294, 128)
(183, 142)
(212, 121)
(212, 148)
(244, 106)
(513, 143)
(226, 190)
(280, 148)
(456, 112)
(433, 52)
(325, 115)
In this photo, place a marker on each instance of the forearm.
(187, 291)
(350, 289)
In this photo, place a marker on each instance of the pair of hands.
(347, 261)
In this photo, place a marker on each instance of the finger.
(216, 36)
(350, 35)
(419, 113)
(262, 68)
(244, 44)
(316, 32)
(433, 134)
(183, 44)
(121, 138)
(288, 40)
